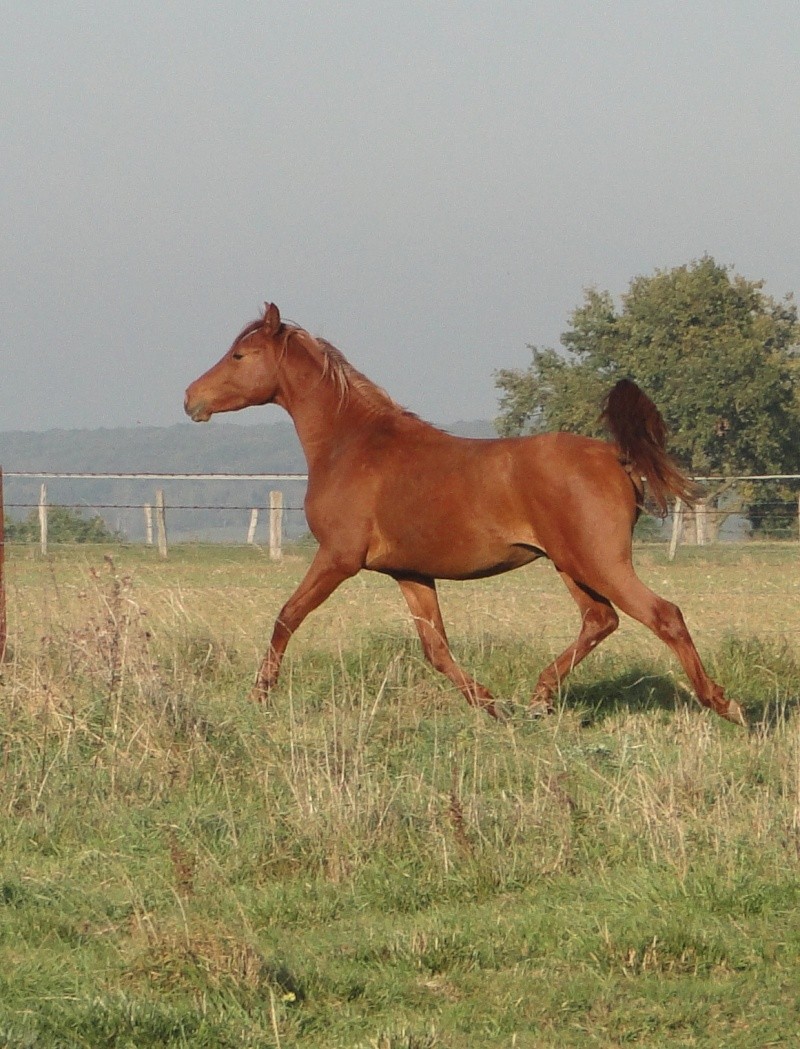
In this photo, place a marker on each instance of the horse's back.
(424, 467)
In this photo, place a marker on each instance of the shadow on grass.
(761, 674)
(766, 716)
(637, 690)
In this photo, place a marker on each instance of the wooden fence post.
(3, 623)
(148, 524)
(161, 522)
(251, 531)
(701, 522)
(275, 525)
(677, 525)
(43, 519)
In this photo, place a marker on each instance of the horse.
(390, 493)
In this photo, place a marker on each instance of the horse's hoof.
(735, 714)
(259, 695)
(540, 708)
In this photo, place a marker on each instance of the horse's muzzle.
(197, 412)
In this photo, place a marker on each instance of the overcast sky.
(430, 186)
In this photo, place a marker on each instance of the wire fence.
(249, 507)
(140, 507)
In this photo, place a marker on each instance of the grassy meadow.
(368, 862)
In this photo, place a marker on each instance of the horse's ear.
(272, 318)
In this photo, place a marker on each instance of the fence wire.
(772, 515)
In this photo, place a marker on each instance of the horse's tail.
(641, 435)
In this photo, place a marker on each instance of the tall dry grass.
(368, 861)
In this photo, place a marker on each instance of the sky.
(430, 186)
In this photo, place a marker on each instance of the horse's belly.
(449, 556)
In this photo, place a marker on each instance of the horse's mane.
(347, 379)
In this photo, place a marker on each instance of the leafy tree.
(717, 355)
(64, 525)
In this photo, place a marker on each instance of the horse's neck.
(321, 412)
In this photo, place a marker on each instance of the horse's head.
(246, 375)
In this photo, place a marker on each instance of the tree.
(717, 355)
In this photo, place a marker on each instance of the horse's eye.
(237, 356)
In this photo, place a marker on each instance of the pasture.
(368, 861)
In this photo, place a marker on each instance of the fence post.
(3, 623)
(161, 522)
(251, 531)
(677, 525)
(43, 519)
(275, 525)
(701, 522)
(148, 524)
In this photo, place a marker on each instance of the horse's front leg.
(321, 579)
(423, 603)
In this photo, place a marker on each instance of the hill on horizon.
(220, 447)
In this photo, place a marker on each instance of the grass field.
(369, 862)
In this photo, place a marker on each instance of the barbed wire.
(139, 506)
(108, 476)
(295, 476)
(791, 508)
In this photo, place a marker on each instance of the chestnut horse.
(393, 494)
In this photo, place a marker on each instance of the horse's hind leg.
(598, 620)
(423, 603)
(665, 619)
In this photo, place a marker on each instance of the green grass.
(369, 862)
